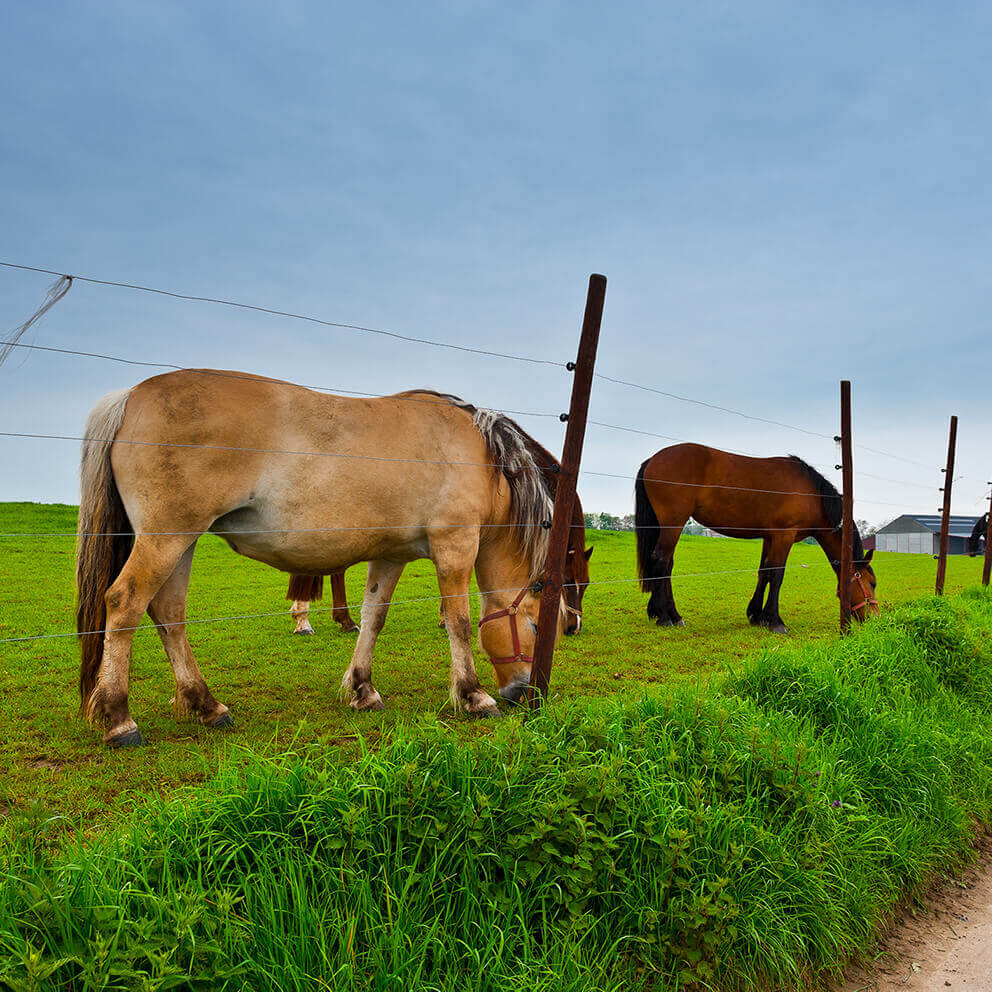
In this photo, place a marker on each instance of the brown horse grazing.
(304, 589)
(780, 500)
(176, 456)
(976, 542)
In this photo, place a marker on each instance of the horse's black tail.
(648, 530)
(979, 530)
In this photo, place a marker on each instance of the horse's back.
(722, 489)
(305, 481)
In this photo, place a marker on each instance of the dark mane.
(832, 503)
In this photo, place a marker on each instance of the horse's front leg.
(755, 607)
(453, 560)
(379, 586)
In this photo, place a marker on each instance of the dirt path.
(945, 945)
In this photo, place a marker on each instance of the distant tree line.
(607, 521)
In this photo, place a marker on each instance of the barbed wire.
(431, 343)
(400, 602)
(388, 458)
(333, 390)
(385, 527)
(285, 313)
(711, 406)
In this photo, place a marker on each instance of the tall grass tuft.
(752, 834)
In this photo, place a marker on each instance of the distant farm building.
(919, 534)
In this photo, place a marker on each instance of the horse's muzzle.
(512, 692)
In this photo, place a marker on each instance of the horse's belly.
(292, 546)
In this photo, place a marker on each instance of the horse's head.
(863, 582)
(574, 583)
(508, 634)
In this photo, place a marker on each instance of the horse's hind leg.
(357, 682)
(661, 605)
(168, 610)
(300, 612)
(757, 602)
(340, 613)
(151, 562)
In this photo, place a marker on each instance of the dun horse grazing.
(304, 589)
(780, 500)
(175, 457)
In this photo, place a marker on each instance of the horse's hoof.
(668, 622)
(486, 713)
(306, 632)
(778, 628)
(223, 721)
(132, 738)
(353, 629)
(370, 702)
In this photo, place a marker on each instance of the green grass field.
(283, 690)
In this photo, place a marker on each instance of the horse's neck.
(830, 541)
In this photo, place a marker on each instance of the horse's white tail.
(104, 542)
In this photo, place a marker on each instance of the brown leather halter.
(511, 612)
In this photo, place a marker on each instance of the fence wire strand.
(286, 313)
(399, 602)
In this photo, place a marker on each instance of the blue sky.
(781, 194)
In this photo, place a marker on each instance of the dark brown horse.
(304, 589)
(976, 543)
(780, 500)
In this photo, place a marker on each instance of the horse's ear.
(868, 556)
(588, 553)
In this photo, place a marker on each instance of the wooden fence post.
(987, 567)
(945, 521)
(561, 519)
(847, 519)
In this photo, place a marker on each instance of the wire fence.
(391, 603)
(65, 281)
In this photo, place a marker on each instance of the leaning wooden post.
(945, 521)
(561, 519)
(987, 568)
(847, 518)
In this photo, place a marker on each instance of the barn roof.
(960, 526)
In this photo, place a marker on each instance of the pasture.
(283, 690)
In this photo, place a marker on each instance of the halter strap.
(511, 612)
(866, 592)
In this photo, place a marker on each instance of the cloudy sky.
(781, 195)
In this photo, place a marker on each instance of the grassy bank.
(282, 689)
(753, 832)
